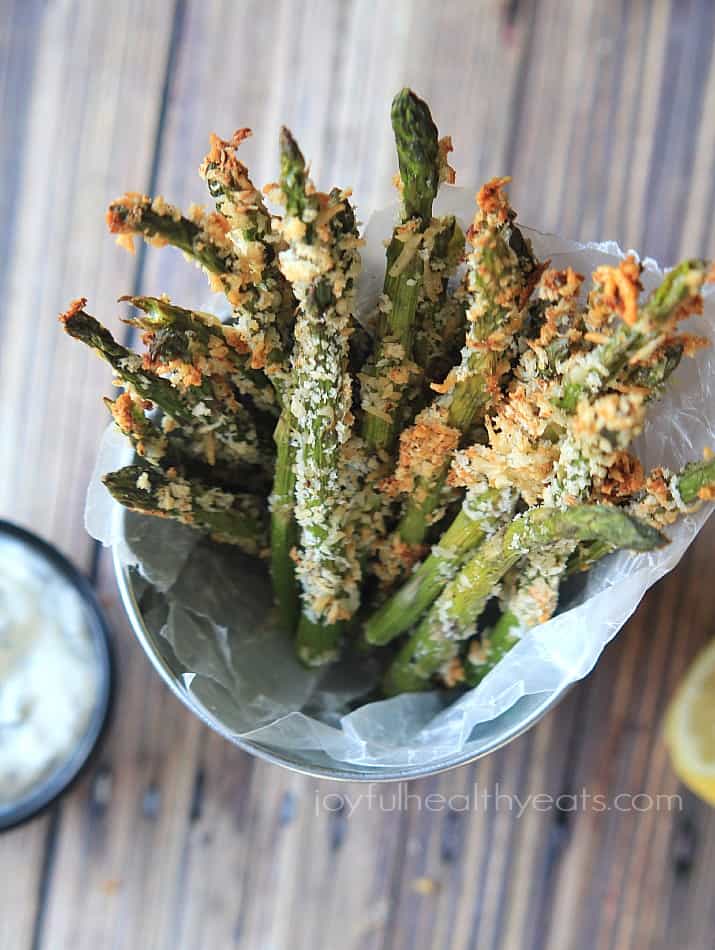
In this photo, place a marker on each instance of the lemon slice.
(690, 727)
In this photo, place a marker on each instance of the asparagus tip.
(289, 148)
(417, 143)
(75, 308)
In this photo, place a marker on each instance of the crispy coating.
(623, 478)
(492, 200)
(616, 291)
(423, 448)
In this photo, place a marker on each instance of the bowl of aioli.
(55, 673)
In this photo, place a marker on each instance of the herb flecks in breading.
(321, 261)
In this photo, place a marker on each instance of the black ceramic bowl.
(57, 780)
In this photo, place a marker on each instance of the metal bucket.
(486, 737)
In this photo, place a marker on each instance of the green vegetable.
(416, 139)
(455, 612)
(321, 401)
(481, 514)
(234, 518)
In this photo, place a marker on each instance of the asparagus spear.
(265, 317)
(559, 321)
(453, 615)
(127, 365)
(220, 425)
(384, 380)
(481, 514)
(202, 238)
(202, 340)
(321, 262)
(658, 505)
(175, 449)
(501, 272)
(676, 296)
(264, 313)
(483, 655)
(229, 517)
(284, 529)
(418, 154)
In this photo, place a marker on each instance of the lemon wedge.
(690, 726)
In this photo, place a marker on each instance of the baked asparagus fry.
(222, 426)
(501, 273)
(640, 331)
(265, 318)
(201, 339)
(127, 365)
(663, 500)
(384, 379)
(321, 262)
(231, 517)
(175, 449)
(264, 313)
(454, 614)
(203, 238)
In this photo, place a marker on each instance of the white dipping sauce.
(49, 670)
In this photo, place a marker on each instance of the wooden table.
(603, 111)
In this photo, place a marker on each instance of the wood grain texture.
(75, 79)
(602, 111)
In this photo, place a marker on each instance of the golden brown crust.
(617, 291)
(624, 478)
(446, 172)
(423, 449)
(122, 410)
(118, 220)
(394, 559)
(75, 307)
(492, 200)
(453, 673)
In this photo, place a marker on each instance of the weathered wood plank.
(18, 27)
(121, 832)
(91, 123)
(80, 107)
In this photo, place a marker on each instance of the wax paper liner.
(213, 606)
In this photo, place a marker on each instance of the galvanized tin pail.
(485, 739)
